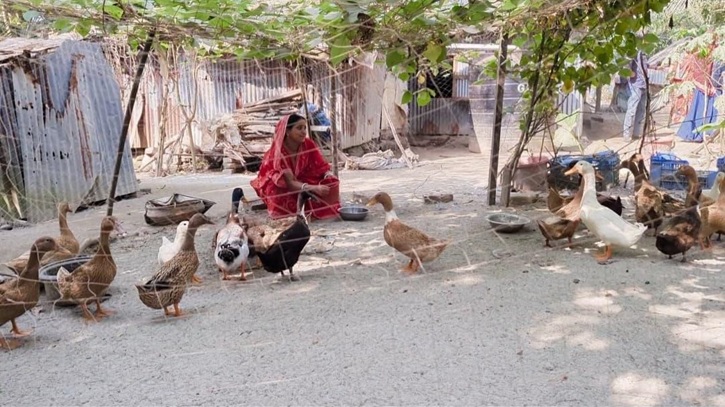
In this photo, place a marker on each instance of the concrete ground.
(498, 319)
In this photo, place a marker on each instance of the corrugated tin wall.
(223, 85)
(63, 112)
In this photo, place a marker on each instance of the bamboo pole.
(144, 55)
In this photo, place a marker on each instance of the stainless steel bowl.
(355, 213)
(507, 222)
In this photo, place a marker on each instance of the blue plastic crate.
(721, 164)
(664, 166)
(672, 183)
(605, 162)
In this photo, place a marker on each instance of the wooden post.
(497, 120)
(144, 55)
(333, 123)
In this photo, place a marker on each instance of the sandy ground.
(497, 320)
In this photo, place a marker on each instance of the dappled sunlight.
(464, 279)
(702, 332)
(701, 390)
(637, 292)
(573, 330)
(557, 269)
(635, 390)
(597, 300)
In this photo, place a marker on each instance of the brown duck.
(21, 294)
(91, 280)
(694, 194)
(67, 244)
(168, 285)
(411, 242)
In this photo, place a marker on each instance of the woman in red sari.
(293, 164)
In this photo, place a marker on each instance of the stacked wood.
(248, 132)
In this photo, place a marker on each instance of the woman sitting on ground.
(293, 164)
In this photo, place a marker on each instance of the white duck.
(168, 249)
(612, 229)
(714, 192)
(231, 247)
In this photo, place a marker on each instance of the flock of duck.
(276, 248)
(677, 225)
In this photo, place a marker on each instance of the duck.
(694, 196)
(554, 200)
(555, 228)
(409, 241)
(169, 248)
(714, 192)
(680, 233)
(612, 229)
(284, 253)
(649, 207)
(231, 247)
(713, 217)
(20, 294)
(670, 204)
(167, 286)
(67, 245)
(90, 281)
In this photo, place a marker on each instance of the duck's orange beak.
(372, 202)
(571, 172)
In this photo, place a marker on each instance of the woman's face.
(298, 131)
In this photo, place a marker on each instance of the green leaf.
(62, 25)
(424, 98)
(407, 97)
(508, 5)
(435, 53)
(339, 49)
(394, 57)
(114, 11)
(711, 127)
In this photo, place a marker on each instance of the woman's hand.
(321, 190)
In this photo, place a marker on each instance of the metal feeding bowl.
(353, 212)
(507, 222)
(48, 276)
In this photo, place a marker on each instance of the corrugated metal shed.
(223, 85)
(61, 117)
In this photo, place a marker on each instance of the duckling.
(680, 233)
(91, 280)
(602, 222)
(168, 285)
(411, 242)
(168, 248)
(66, 244)
(231, 247)
(284, 253)
(22, 293)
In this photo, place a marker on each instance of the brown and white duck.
(409, 241)
(167, 286)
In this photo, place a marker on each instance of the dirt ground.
(498, 319)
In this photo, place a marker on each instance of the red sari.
(311, 167)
